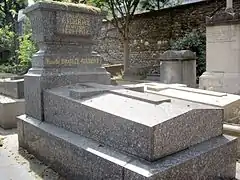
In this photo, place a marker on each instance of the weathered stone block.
(222, 68)
(77, 157)
(9, 109)
(138, 123)
(178, 67)
(12, 87)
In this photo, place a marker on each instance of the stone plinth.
(222, 54)
(178, 67)
(77, 157)
(138, 123)
(65, 34)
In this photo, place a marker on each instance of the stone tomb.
(230, 103)
(86, 130)
(139, 136)
(65, 34)
(12, 101)
(222, 53)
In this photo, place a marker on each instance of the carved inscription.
(71, 62)
(221, 34)
(73, 24)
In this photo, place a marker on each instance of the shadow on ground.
(7, 132)
(43, 171)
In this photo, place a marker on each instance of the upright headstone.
(223, 52)
(65, 34)
(178, 67)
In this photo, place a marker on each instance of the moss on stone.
(80, 5)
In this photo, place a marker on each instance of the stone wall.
(152, 31)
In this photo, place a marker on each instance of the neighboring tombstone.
(178, 67)
(12, 102)
(65, 35)
(222, 52)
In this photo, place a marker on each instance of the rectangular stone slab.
(77, 157)
(229, 102)
(133, 125)
(9, 110)
(12, 87)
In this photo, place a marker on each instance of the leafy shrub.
(196, 42)
(26, 50)
(14, 69)
(7, 43)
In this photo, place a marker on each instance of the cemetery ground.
(18, 164)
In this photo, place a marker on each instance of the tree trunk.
(126, 54)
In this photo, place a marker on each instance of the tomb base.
(76, 157)
(9, 109)
(219, 81)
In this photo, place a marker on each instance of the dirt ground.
(20, 165)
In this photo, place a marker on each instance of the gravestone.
(92, 130)
(178, 67)
(222, 52)
(12, 102)
(65, 50)
(230, 103)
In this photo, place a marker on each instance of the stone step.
(140, 124)
(77, 157)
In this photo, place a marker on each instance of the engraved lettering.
(72, 24)
(70, 62)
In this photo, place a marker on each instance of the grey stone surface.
(65, 34)
(12, 87)
(178, 67)
(77, 157)
(230, 103)
(9, 109)
(223, 18)
(131, 124)
(182, 55)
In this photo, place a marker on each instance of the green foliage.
(26, 50)
(9, 10)
(14, 69)
(196, 42)
(6, 38)
(7, 44)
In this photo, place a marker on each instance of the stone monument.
(12, 101)
(178, 67)
(223, 52)
(95, 131)
(65, 35)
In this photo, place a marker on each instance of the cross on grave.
(229, 5)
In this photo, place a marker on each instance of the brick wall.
(151, 32)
